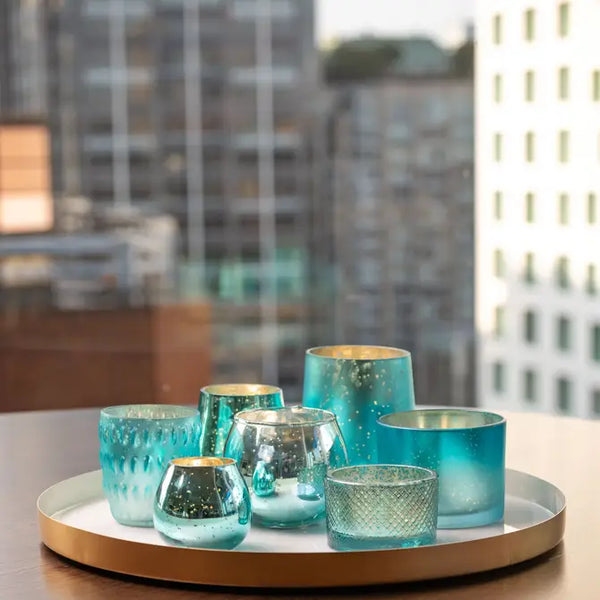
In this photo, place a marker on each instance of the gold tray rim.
(301, 570)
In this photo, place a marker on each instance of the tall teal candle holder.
(220, 402)
(137, 442)
(466, 449)
(358, 384)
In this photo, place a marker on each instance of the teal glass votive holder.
(137, 442)
(373, 507)
(203, 502)
(465, 447)
(284, 455)
(359, 384)
(220, 402)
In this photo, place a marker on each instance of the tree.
(357, 60)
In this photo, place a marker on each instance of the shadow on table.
(67, 579)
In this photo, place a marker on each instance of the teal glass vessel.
(372, 507)
(218, 403)
(358, 384)
(137, 442)
(466, 449)
(284, 455)
(203, 502)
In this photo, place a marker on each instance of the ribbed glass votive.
(465, 448)
(380, 506)
(203, 502)
(358, 384)
(218, 403)
(284, 455)
(137, 442)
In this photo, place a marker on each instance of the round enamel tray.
(75, 521)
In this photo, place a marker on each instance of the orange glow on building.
(25, 183)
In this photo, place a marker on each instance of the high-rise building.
(538, 219)
(202, 109)
(403, 222)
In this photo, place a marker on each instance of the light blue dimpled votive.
(465, 448)
(358, 384)
(137, 442)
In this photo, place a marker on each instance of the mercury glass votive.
(358, 384)
(218, 403)
(137, 442)
(465, 448)
(373, 507)
(284, 455)
(203, 502)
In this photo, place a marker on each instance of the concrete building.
(200, 109)
(403, 222)
(538, 188)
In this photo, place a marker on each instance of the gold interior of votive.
(203, 461)
(359, 352)
(240, 389)
(446, 418)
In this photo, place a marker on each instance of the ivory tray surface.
(75, 521)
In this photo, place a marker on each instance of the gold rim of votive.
(285, 416)
(240, 389)
(358, 352)
(203, 461)
(446, 419)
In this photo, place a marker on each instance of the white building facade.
(538, 205)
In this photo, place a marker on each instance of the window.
(563, 209)
(563, 19)
(529, 146)
(563, 333)
(530, 327)
(563, 394)
(497, 88)
(596, 86)
(563, 83)
(595, 346)
(562, 273)
(497, 147)
(497, 29)
(498, 376)
(529, 208)
(529, 24)
(529, 270)
(499, 267)
(529, 385)
(498, 206)
(529, 86)
(499, 321)
(563, 146)
(591, 209)
(596, 402)
(591, 286)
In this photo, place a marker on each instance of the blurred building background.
(403, 192)
(538, 173)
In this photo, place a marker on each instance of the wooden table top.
(38, 449)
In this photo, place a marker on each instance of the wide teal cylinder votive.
(284, 454)
(137, 442)
(358, 384)
(203, 502)
(218, 404)
(465, 447)
(372, 507)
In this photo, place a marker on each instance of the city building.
(63, 359)
(402, 156)
(26, 204)
(203, 110)
(538, 188)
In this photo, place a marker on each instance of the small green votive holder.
(371, 507)
(219, 403)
